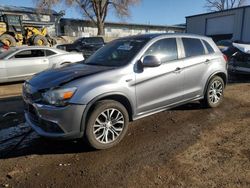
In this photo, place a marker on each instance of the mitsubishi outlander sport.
(126, 80)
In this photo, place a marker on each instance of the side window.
(193, 47)
(24, 54)
(30, 54)
(166, 49)
(38, 53)
(209, 47)
(49, 53)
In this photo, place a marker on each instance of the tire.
(214, 93)
(40, 40)
(8, 40)
(99, 125)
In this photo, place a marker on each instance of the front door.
(26, 63)
(161, 86)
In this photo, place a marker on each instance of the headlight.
(58, 97)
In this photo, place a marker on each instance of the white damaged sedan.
(21, 63)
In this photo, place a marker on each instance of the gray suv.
(126, 80)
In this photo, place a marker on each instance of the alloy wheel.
(108, 126)
(215, 91)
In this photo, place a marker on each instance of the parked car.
(128, 79)
(224, 44)
(3, 47)
(20, 63)
(239, 58)
(87, 45)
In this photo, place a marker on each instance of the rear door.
(160, 86)
(195, 65)
(25, 63)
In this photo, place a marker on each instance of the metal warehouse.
(80, 28)
(231, 24)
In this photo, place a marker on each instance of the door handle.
(207, 61)
(177, 70)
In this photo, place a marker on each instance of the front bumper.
(55, 122)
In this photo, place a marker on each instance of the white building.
(80, 28)
(228, 24)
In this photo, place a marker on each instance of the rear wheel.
(40, 40)
(8, 40)
(107, 125)
(215, 92)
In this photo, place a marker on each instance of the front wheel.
(8, 40)
(40, 40)
(107, 125)
(215, 92)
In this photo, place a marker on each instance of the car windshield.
(117, 53)
(7, 53)
(77, 41)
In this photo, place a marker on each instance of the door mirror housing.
(151, 61)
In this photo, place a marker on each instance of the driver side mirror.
(151, 61)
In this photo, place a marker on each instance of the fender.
(94, 100)
(211, 76)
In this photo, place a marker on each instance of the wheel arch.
(121, 98)
(220, 74)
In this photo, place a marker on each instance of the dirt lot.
(184, 147)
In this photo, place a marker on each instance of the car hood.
(57, 77)
(245, 48)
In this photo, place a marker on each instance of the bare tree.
(219, 5)
(94, 10)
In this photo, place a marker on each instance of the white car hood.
(243, 47)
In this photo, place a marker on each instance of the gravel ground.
(184, 147)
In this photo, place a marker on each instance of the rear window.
(209, 47)
(49, 53)
(93, 40)
(193, 47)
(30, 54)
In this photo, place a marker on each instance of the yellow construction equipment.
(14, 33)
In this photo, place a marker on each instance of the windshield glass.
(78, 40)
(224, 43)
(7, 53)
(117, 53)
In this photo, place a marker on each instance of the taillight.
(225, 57)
